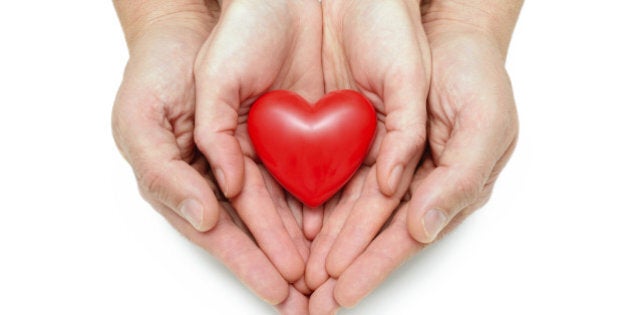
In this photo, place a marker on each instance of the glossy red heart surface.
(312, 150)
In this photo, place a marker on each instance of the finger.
(312, 221)
(384, 255)
(337, 211)
(367, 217)
(239, 254)
(216, 120)
(387, 252)
(296, 209)
(148, 142)
(405, 90)
(279, 198)
(316, 273)
(322, 300)
(255, 207)
(232, 72)
(218, 100)
(462, 171)
(183, 190)
(405, 125)
(295, 304)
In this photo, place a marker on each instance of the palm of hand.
(472, 118)
(156, 105)
(472, 129)
(379, 49)
(257, 47)
(375, 58)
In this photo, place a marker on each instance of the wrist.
(493, 19)
(139, 18)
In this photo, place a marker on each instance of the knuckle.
(469, 188)
(201, 136)
(417, 140)
(151, 183)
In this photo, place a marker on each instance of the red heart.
(312, 150)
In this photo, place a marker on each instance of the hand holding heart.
(181, 120)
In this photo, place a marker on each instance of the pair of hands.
(195, 67)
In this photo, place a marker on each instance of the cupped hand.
(472, 132)
(378, 48)
(153, 115)
(473, 123)
(257, 46)
(153, 125)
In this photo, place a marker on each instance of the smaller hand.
(379, 49)
(256, 47)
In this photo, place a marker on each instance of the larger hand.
(153, 121)
(472, 133)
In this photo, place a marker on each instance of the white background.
(76, 238)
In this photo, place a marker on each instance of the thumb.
(181, 188)
(440, 197)
(459, 178)
(405, 124)
(163, 177)
(216, 120)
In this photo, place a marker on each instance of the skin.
(153, 122)
(472, 130)
(380, 49)
(433, 71)
(278, 47)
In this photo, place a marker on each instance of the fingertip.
(302, 286)
(334, 264)
(349, 294)
(396, 156)
(231, 177)
(194, 212)
(389, 178)
(295, 303)
(314, 280)
(271, 288)
(276, 295)
(414, 228)
(201, 217)
(425, 226)
(226, 159)
(295, 268)
(315, 274)
(236, 177)
(383, 173)
(219, 175)
(439, 198)
(344, 299)
(323, 300)
(183, 190)
(312, 221)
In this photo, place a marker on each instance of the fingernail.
(394, 178)
(192, 211)
(434, 221)
(220, 176)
